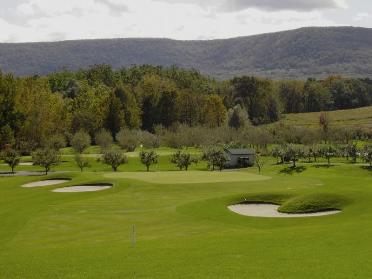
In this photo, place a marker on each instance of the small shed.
(240, 158)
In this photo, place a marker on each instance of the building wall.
(233, 163)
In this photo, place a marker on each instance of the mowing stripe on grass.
(189, 177)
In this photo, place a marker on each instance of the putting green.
(189, 177)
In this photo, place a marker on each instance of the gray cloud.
(116, 9)
(270, 5)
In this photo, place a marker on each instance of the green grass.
(361, 117)
(189, 177)
(185, 230)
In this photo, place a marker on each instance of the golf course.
(171, 224)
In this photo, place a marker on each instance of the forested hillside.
(157, 99)
(297, 54)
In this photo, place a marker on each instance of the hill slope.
(300, 53)
(356, 118)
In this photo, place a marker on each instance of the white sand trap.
(82, 188)
(44, 183)
(21, 164)
(26, 164)
(271, 210)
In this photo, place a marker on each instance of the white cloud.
(44, 20)
(362, 16)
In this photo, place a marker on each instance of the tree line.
(161, 101)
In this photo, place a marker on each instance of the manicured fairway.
(183, 177)
(185, 230)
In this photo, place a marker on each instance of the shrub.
(130, 139)
(216, 157)
(149, 158)
(313, 203)
(12, 158)
(46, 158)
(56, 142)
(103, 139)
(81, 162)
(183, 160)
(114, 157)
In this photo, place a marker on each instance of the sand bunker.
(271, 210)
(44, 183)
(82, 188)
(21, 164)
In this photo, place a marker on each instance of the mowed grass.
(187, 177)
(184, 230)
(361, 117)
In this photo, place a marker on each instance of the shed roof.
(241, 151)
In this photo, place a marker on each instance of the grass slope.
(184, 231)
(361, 117)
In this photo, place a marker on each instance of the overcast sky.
(52, 20)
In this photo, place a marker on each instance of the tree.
(214, 112)
(129, 105)
(352, 152)
(238, 118)
(115, 115)
(216, 157)
(367, 154)
(114, 157)
(259, 162)
(81, 162)
(104, 139)
(294, 153)
(328, 151)
(148, 158)
(183, 160)
(12, 158)
(324, 122)
(46, 158)
(317, 96)
(6, 136)
(80, 141)
(279, 153)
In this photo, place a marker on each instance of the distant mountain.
(301, 53)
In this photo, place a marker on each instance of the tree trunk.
(148, 168)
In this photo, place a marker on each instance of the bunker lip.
(269, 210)
(47, 182)
(84, 188)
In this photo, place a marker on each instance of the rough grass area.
(313, 203)
(189, 177)
(362, 117)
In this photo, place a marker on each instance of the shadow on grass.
(324, 166)
(368, 168)
(293, 170)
